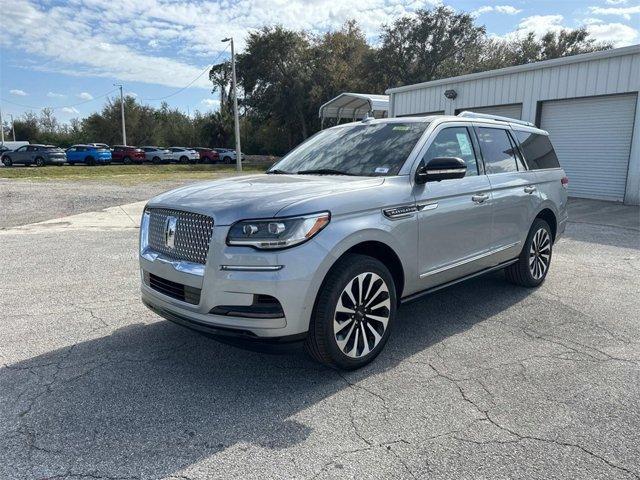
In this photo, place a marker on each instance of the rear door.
(514, 190)
(72, 155)
(454, 216)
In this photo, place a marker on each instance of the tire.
(226, 160)
(126, 160)
(345, 348)
(184, 159)
(7, 162)
(535, 259)
(40, 162)
(90, 161)
(156, 160)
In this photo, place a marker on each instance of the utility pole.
(124, 130)
(13, 128)
(234, 88)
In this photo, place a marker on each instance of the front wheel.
(354, 312)
(39, 162)
(535, 259)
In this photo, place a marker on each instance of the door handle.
(529, 189)
(480, 197)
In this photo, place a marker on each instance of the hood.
(256, 196)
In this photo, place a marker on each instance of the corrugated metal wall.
(591, 75)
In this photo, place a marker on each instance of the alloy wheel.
(540, 253)
(362, 315)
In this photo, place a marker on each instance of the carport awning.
(355, 106)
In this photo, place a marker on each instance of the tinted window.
(538, 151)
(497, 150)
(361, 149)
(32, 149)
(454, 142)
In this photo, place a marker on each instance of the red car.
(127, 154)
(207, 155)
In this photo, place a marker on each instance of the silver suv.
(356, 220)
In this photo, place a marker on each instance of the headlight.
(277, 232)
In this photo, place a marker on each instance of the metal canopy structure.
(355, 106)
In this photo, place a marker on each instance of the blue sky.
(68, 55)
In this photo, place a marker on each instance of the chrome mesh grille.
(193, 234)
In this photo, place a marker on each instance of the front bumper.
(235, 276)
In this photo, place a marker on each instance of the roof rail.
(497, 118)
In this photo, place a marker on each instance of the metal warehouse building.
(588, 103)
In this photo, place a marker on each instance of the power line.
(59, 106)
(208, 68)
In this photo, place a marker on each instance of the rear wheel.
(39, 162)
(126, 160)
(353, 315)
(535, 259)
(226, 160)
(7, 162)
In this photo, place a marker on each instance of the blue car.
(89, 154)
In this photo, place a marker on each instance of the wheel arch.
(549, 216)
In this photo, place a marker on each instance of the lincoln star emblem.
(170, 232)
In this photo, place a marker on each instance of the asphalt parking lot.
(482, 380)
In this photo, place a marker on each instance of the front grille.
(193, 234)
(175, 290)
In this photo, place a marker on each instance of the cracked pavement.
(481, 380)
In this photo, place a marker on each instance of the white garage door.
(512, 111)
(592, 138)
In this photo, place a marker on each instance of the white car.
(183, 155)
(156, 154)
(228, 156)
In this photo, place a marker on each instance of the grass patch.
(128, 174)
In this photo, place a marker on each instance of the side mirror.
(440, 168)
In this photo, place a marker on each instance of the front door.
(455, 215)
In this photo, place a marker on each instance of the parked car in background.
(89, 154)
(207, 155)
(127, 154)
(39, 155)
(228, 155)
(156, 154)
(183, 155)
(364, 216)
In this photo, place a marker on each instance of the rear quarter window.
(537, 150)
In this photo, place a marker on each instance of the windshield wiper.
(324, 171)
(277, 172)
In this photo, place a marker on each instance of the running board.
(422, 293)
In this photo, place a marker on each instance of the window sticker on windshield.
(465, 146)
(382, 170)
(401, 128)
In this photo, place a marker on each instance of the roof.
(584, 57)
(354, 105)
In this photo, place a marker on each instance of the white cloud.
(617, 33)
(18, 93)
(616, 2)
(56, 95)
(131, 94)
(211, 102)
(86, 37)
(506, 9)
(70, 110)
(85, 96)
(624, 12)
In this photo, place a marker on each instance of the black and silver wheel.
(184, 159)
(226, 160)
(39, 162)
(354, 312)
(535, 259)
(156, 160)
(126, 160)
(7, 162)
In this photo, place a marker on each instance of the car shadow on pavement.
(152, 399)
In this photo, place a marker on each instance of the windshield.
(365, 149)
